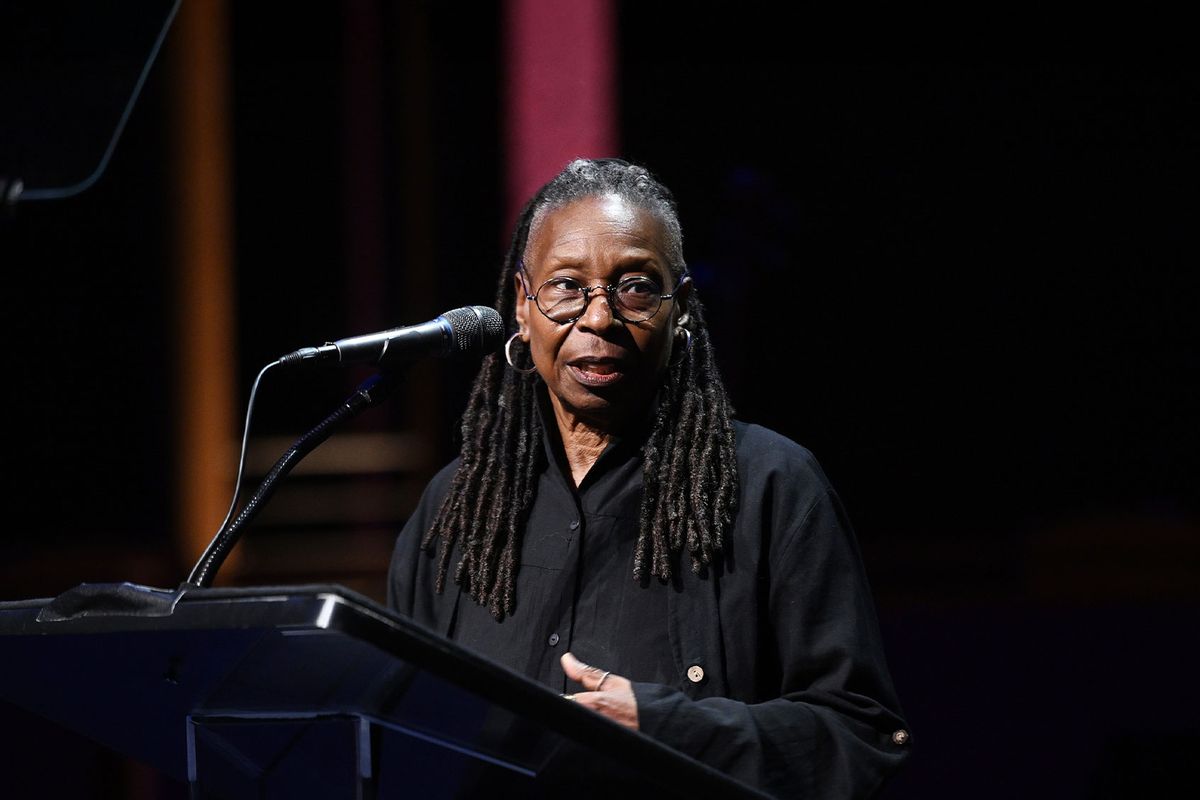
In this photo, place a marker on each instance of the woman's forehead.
(607, 222)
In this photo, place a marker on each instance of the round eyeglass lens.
(561, 299)
(638, 298)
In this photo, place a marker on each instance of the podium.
(315, 691)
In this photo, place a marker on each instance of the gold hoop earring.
(508, 356)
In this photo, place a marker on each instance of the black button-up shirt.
(575, 589)
(767, 665)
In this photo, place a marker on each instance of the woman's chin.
(605, 408)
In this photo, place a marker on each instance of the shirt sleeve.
(835, 730)
(412, 573)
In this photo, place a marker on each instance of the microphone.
(463, 331)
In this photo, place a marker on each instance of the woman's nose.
(597, 315)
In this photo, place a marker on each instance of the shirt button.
(574, 524)
(553, 640)
(695, 673)
(900, 737)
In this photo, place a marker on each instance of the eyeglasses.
(633, 299)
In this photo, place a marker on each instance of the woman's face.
(601, 371)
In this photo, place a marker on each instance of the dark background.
(970, 290)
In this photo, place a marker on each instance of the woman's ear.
(682, 295)
(521, 303)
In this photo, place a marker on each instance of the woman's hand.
(607, 694)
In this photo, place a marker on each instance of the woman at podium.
(610, 530)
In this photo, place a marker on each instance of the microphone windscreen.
(477, 329)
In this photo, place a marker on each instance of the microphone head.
(477, 330)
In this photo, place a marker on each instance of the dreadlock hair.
(689, 464)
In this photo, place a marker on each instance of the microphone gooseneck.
(371, 392)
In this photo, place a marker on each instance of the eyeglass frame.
(609, 292)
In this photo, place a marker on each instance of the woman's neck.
(583, 440)
(582, 445)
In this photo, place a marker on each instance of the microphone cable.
(237, 485)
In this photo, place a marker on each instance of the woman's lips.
(597, 372)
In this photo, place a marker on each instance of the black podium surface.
(314, 691)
